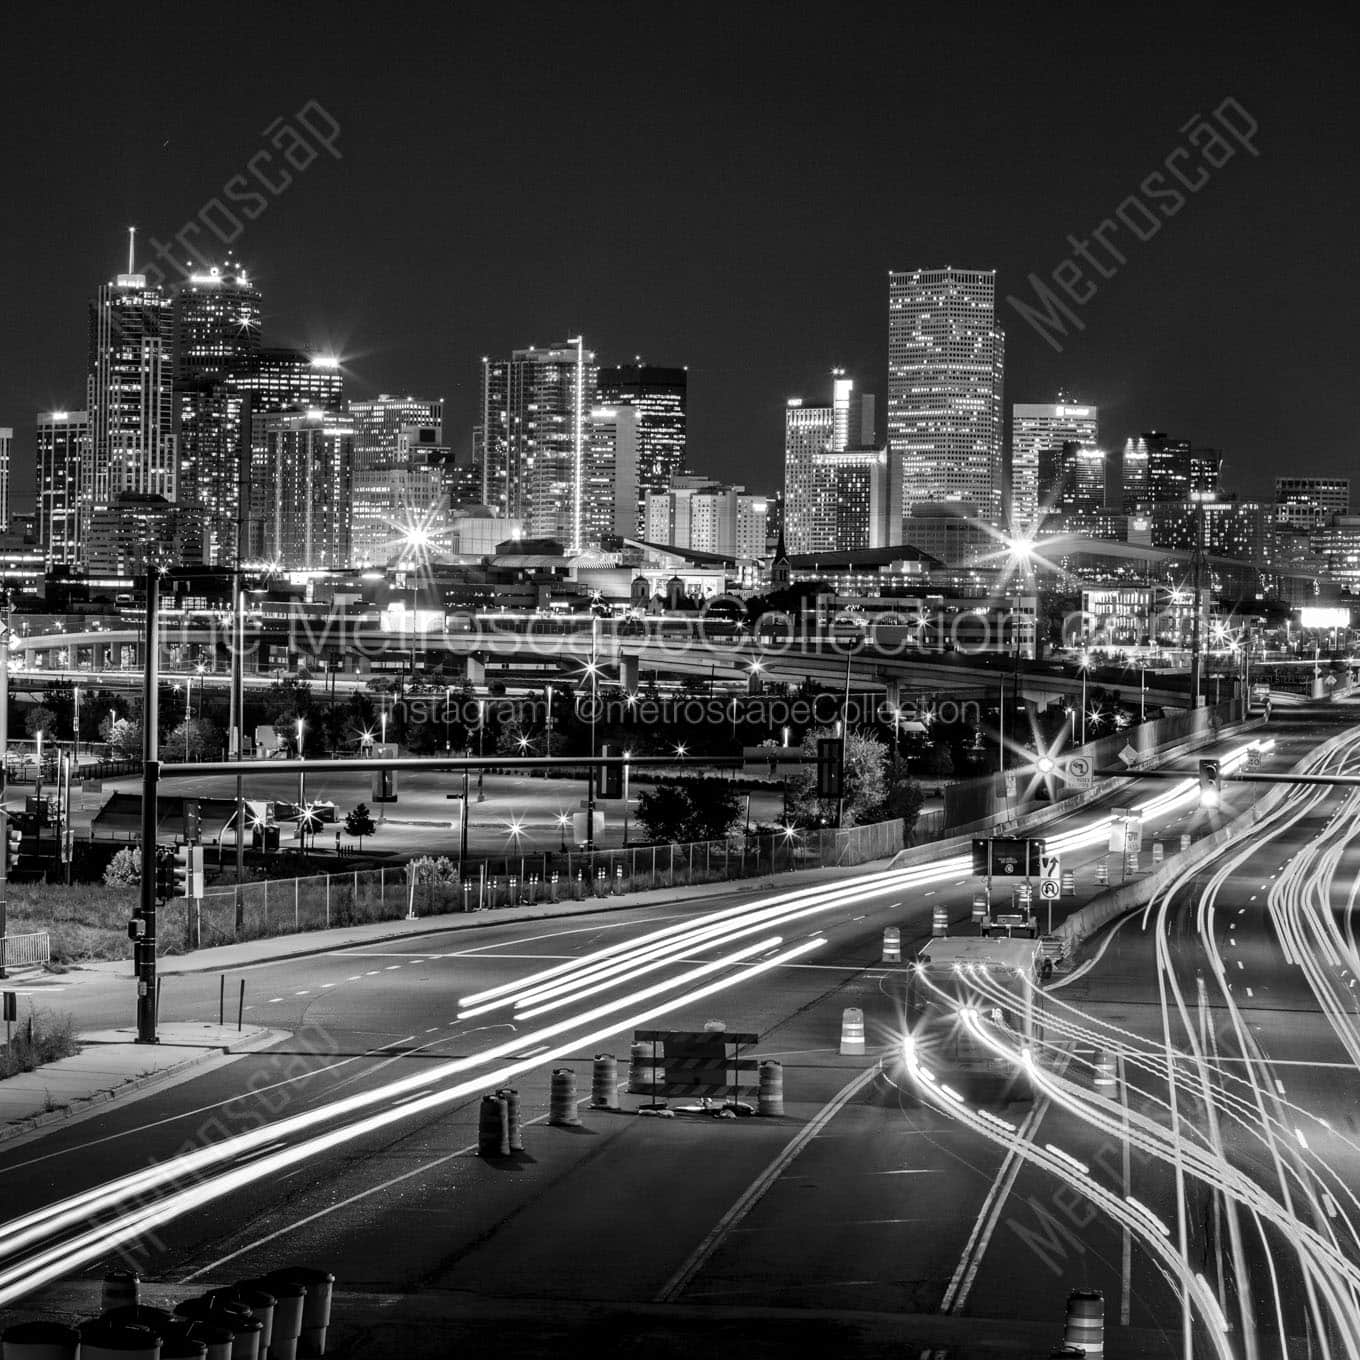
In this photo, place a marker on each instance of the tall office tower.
(1133, 475)
(217, 343)
(300, 485)
(380, 423)
(858, 512)
(1034, 428)
(812, 434)
(6, 446)
(660, 397)
(535, 418)
(1310, 502)
(1175, 469)
(1072, 478)
(130, 386)
(610, 478)
(752, 526)
(63, 439)
(946, 363)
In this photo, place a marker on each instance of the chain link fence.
(431, 887)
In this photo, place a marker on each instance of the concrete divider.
(1111, 905)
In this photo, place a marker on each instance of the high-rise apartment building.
(1036, 426)
(217, 344)
(827, 455)
(300, 485)
(63, 439)
(1308, 503)
(946, 363)
(660, 397)
(130, 392)
(6, 449)
(284, 379)
(535, 437)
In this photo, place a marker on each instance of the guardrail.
(25, 951)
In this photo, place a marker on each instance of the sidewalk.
(112, 1066)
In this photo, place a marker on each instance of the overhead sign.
(1007, 857)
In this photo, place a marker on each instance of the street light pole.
(145, 948)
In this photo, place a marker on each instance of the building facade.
(6, 452)
(301, 481)
(1308, 503)
(946, 364)
(130, 393)
(1035, 427)
(535, 416)
(609, 478)
(62, 456)
(660, 396)
(1071, 478)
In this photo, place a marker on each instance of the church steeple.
(780, 572)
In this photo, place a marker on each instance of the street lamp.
(481, 750)
(1085, 668)
(563, 822)
(627, 755)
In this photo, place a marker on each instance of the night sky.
(722, 186)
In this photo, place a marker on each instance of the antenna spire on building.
(132, 250)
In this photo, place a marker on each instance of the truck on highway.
(963, 989)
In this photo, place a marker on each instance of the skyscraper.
(610, 476)
(823, 447)
(1034, 428)
(535, 416)
(292, 379)
(660, 397)
(130, 392)
(6, 446)
(301, 476)
(1310, 502)
(217, 343)
(946, 361)
(63, 439)
(1072, 478)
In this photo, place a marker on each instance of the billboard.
(1319, 616)
(1007, 857)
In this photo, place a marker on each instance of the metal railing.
(25, 951)
(430, 887)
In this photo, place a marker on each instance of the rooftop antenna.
(132, 250)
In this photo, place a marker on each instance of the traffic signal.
(14, 840)
(611, 776)
(829, 767)
(183, 871)
(1210, 784)
(136, 926)
(165, 874)
(193, 821)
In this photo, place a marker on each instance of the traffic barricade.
(770, 1098)
(604, 1082)
(892, 944)
(514, 1130)
(100, 1340)
(852, 1031)
(493, 1128)
(316, 1304)
(122, 1289)
(1069, 883)
(562, 1112)
(939, 922)
(1086, 1322)
(1158, 852)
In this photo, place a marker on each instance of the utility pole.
(145, 947)
(1197, 563)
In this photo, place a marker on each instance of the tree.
(40, 719)
(124, 870)
(689, 810)
(663, 812)
(865, 778)
(204, 739)
(938, 760)
(359, 823)
(124, 736)
(904, 799)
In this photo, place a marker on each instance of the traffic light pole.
(4, 791)
(144, 949)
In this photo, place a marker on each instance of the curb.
(138, 1087)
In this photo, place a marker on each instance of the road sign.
(1011, 784)
(1050, 889)
(1079, 771)
(1007, 857)
(1128, 755)
(1254, 758)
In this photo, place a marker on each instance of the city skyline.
(753, 293)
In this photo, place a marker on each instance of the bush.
(43, 1039)
(85, 921)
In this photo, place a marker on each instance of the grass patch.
(42, 1038)
(85, 920)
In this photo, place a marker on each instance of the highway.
(890, 1209)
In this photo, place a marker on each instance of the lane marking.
(756, 1191)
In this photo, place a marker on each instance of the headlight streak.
(24, 1231)
(19, 1280)
(1171, 1264)
(29, 1229)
